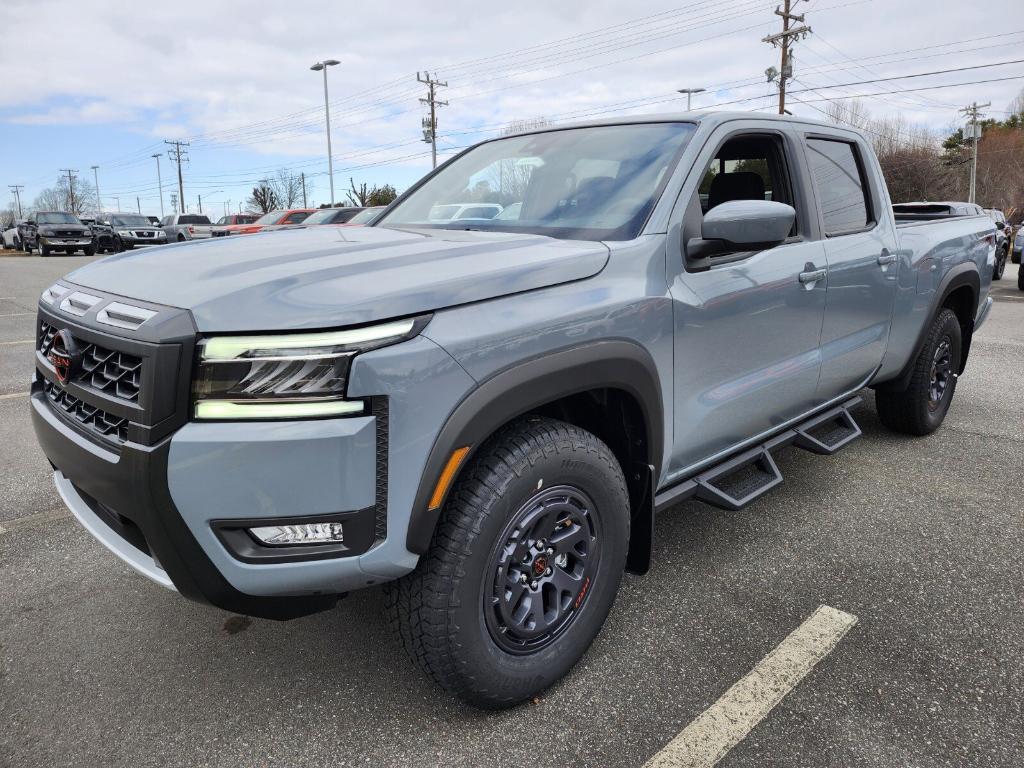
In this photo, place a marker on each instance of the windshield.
(366, 216)
(270, 218)
(56, 218)
(326, 216)
(130, 221)
(596, 183)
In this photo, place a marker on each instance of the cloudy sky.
(88, 82)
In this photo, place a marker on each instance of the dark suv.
(51, 231)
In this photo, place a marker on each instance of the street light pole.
(160, 184)
(321, 66)
(689, 94)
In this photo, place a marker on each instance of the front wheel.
(44, 249)
(1020, 278)
(922, 406)
(523, 567)
(89, 251)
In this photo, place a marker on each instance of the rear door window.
(841, 185)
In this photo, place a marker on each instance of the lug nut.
(547, 572)
(549, 551)
(533, 585)
(541, 543)
(523, 578)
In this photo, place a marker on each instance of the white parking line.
(11, 343)
(17, 314)
(13, 395)
(726, 723)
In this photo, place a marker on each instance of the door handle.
(813, 276)
(886, 258)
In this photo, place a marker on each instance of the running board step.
(747, 476)
(739, 481)
(827, 433)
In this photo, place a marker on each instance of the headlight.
(124, 232)
(87, 233)
(46, 232)
(290, 376)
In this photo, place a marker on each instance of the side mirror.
(741, 225)
(1000, 225)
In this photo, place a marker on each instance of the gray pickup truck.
(485, 415)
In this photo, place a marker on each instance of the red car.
(271, 220)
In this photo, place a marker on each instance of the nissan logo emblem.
(64, 356)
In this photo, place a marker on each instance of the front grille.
(96, 420)
(67, 233)
(105, 370)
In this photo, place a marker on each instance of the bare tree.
(263, 198)
(522, 125)
(358, 195)
(287, 188)
(77, 197)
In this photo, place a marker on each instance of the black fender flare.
(962, 274)
(613, 364)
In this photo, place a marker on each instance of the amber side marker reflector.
(447, 475)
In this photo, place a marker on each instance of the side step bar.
(737, 481)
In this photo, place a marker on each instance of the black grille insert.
(100, 422)
(105, 370)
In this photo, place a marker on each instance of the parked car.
(116, 232)
(1018, 244)
(271, 220)
(11, 238)
(458, 211)
(486, 420)
(55, 231)
(1002, 241)
(366, 216)
(220, 228)
(186, 226)
(154, 220)
(332, 216)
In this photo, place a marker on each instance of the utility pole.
(96, 178)
(974, 112)
(174, 201)
(303, 177)
(177, 156)
(159, 183)
(16, 189)
(71, 187)
(138, 204)
(430, 123)
(200, 203)
(784, 40)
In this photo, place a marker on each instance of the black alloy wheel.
(543, 567)
(941, 373)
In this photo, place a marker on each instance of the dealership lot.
(919, 540)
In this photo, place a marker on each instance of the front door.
(861, 250)
(747, 329)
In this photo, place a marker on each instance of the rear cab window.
(841, 185)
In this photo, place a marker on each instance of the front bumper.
(66, 242)
(136, 242)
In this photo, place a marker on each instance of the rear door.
(862, 254)
(747, 326)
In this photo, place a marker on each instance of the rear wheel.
(922, 406)
(1020, 278)
(523, 567)
(1000, 267)
(181, 238)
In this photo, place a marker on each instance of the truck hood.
(324, 277)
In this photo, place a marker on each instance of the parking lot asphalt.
(920, 539)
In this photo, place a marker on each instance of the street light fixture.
(689, 94)
(321, 66)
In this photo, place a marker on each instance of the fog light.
(309, 533)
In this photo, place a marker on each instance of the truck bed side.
(936, 257)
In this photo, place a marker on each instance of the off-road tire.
(1000, 265)
(181, 238)
(1020, 278)
(44, 250)
(438, 611)
(912, 411)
